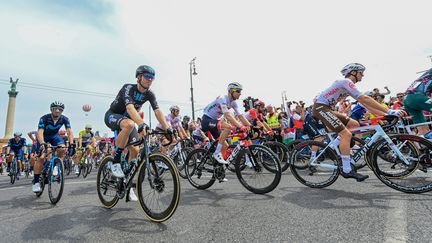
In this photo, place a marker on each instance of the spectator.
(298, 118)
(400, 101)
(377, 92)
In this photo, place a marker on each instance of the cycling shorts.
(211, 125)
(53, 140)
(333, 120)
(113, 121)
(313, 128)
(19, 153)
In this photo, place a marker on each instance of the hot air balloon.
(86, 108)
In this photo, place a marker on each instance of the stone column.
(11, 109)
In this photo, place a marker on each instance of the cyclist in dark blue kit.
(123, 115)
(48, 128)
(16, 148)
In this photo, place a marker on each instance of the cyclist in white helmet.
(323, 109)
(220, 128)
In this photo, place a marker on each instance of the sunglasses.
(237, 90)
(400, 96)
(149, 76)
(57, 109)
(175, 110)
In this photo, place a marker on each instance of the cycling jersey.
(339, 90)
(86, 137)
(16, 145)
(50, 128)
(252, 114)
(218, 107)
(129, 94)
(358, 111)
(174, 121)
(422, 85)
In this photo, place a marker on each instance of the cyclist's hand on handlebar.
(169, 131)
(244, 128)
(399, 113)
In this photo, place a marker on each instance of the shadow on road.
(84, 222)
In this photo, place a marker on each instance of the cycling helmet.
(144, 69)
(186, 118)
(235, 85)
(259, 103)
(17, 134)
(352, 67)
(88, 126)
(57, 104)
(174, 108)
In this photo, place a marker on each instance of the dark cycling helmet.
(144, 69)
(17, 134)
(234, 85)
(57, 104)
(352, 67)
(187, 118)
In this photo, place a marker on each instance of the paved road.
(347, 211)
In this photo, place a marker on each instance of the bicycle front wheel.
(262, 171)
(412, 176)
(281, 151)
(199, 169)
(316, 173)
(13, 172)
(56, 181)
(106, 184)
(158, 187)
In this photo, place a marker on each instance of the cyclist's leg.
(415, 105)
(133, 150)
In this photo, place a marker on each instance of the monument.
(11, 109)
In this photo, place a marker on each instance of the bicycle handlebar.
(391, 119)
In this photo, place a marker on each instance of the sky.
(267, 46)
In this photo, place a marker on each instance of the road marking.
(80, 182)
(11, 188)
(396, 224)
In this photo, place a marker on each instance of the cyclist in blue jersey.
(16, 147)
(123, 115)
(48, 128)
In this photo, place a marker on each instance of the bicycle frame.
(379, 134)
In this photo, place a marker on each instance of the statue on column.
(13, 84)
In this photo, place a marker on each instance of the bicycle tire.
(89, 165)
(281, 151)
(181, 164)
(197, 162)
(104, 180)
(159, 186)
(304, 172)
(412, 178)
(83, 170)
(257, 154)
(13, 172)
(42, 185)
(52, 179)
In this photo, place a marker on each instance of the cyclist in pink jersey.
(323, 109)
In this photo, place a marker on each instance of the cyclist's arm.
(372, 105)
(80, 140)
(40, 136)
(133, 113)
(232, 120)
(30, 135)
(70, 135)
(161, 119)
(244, 120)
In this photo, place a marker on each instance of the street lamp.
(192, 66)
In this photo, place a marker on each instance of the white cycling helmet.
(235, 85)
(174, 108)
(352, 67)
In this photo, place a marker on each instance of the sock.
(218, 148)
(36, 178)
(313, 155)
(117, 154)
(346, 163)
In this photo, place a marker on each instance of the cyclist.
(86, 140)
(417, 101)
(48, 128)
(220, 128)
(256, 118)
(340, 123)
(123, 115)
(16, 147)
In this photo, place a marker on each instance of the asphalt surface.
(347, 211)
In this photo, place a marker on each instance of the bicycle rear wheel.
(180, 160)
(56, 181)
(106, 184)
(414, 177)
(158, 188)
(89, 162)
(42, 184)
(199, 169)
(13, 172)
(281, 151)
(262, 172)
(323, 172)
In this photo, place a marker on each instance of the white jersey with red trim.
(339, 90)
(219, 106)
(173, 121)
